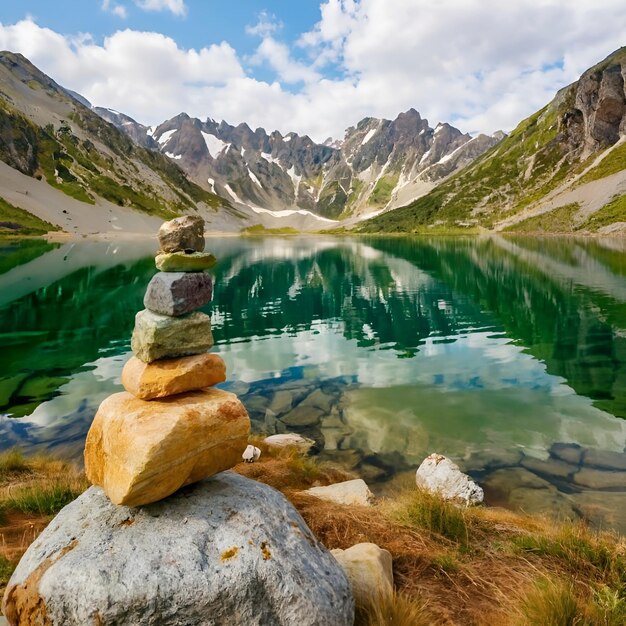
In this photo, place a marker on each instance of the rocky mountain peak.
(275, 172)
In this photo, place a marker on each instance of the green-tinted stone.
(184, 261)
(161, 336)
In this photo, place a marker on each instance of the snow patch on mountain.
(254, 179)
(289, 212)
(369, 135)
(165, 137)
(233, 194)
(270, 159)
(213, 144)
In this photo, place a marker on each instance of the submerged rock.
(348, 492)
(182, 233)
(569, 452)
(177, 293)
(142, 451)
(440, 475)
(168, 377)
(226, 551)
(286, 440)
(161, 336)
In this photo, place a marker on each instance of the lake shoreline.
(479, 564)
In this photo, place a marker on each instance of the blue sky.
(316, 67)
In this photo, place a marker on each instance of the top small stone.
(182, 233)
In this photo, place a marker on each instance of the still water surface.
(508, 355)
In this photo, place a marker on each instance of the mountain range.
(563, 169)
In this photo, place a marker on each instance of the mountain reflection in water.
(508, 355)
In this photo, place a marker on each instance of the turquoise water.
(508, 355)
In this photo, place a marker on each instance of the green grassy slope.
(83, 155)
(16, 221)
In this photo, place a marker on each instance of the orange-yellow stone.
(168, 377)
(142, 451)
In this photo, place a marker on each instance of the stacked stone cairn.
(171, 427)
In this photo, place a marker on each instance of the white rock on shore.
(440, 475)
(348, 492)
(370, 571)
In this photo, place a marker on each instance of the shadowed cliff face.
(601, 98)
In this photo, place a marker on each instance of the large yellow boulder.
(142, 451)
(167, 377)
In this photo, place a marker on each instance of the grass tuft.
(584, 553)
(288, 468)
(6, 569)
(44, 498)
(428, 511)
(397, 610)
(12, 462)
(551, 603)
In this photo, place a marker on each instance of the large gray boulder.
(225, 551)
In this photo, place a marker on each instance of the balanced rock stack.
(170, 427)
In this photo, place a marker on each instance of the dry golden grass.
(397, 610)
(287, 468)
(479, 566)
(476, 566)
(32, 490)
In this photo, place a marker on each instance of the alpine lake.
(506, 354)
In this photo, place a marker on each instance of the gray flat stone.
(177, 293)
(161, 336)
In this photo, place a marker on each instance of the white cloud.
(479, 64)
(266, 25)
(145, 75)
(277, 56)
(116, 9)
(177, 7)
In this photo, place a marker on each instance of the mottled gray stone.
(177, 293)
(281, 402)
(226, 551)
(161, 336)
(182, 233)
